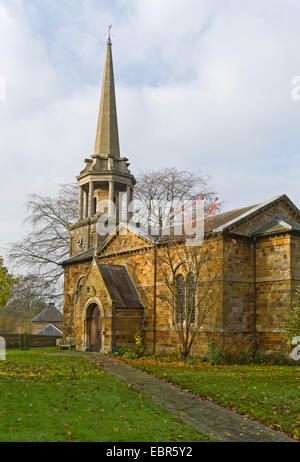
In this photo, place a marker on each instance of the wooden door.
(94, 322)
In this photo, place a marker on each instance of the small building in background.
(48, 322)
(50, 330)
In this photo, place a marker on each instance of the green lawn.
(42, 400)
(270, 394)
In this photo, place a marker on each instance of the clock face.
(80, 243)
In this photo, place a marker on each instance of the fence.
(25, 341)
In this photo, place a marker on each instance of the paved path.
(222, 424)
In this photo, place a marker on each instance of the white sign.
(2, 349)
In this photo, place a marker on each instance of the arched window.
(180, 295)
(191, 285)
(95, 205)
(79, 285)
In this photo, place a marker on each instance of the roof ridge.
(52, 311)
(51, 326)
(251, 210)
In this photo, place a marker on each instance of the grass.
(269, 394)
(46, 398)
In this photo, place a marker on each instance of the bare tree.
(188, 273)
(158, 192)
(43, 248)
(47, 244)
(191, 276)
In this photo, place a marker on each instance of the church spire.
(107, 138)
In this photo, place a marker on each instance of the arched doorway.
(94, 328)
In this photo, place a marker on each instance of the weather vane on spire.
(109, 34)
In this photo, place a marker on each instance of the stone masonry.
(111, 292)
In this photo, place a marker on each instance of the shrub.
(260, 357)
(136, 351)
(278, 359)
(222, 356)
(193, 360)
(118, 352)
(132, 353)
(243, 358)
(168, 355)
(216, 355)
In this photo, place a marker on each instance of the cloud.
(200, 85)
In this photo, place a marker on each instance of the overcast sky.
(203, 85)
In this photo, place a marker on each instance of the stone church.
(111, 284)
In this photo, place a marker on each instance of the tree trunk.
(185, 352)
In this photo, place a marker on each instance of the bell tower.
(106, 174)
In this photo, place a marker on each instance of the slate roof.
(218, 221)
(50, 330)
(49, 314)
(277, 224)
(222, 219)
(221, 222)
(120, 286)
(86, 255)
(235, 220)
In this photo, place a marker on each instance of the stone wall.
(238, 285)
(127, 324)
(35, 341)
(93, 291)
(295, 261)
(74, 277)
(127, 250)
(137, 255)
(230, 321)
(273, 262)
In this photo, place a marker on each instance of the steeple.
(107, 138)
(106, 178)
